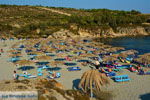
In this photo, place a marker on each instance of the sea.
(140, 43)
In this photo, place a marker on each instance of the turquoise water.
(141, 43)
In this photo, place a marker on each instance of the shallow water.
(141, 43)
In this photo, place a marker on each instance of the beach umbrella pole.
(91, 93)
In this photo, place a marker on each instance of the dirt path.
(55, 11)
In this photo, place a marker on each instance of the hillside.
(37, 21)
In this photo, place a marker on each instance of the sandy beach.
(132, 90)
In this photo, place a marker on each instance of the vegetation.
(31, 21)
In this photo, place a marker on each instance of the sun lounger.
(144, 73)
(45, 67)
(40, 74)
(110, 66)
(32, 76)
(13, 59)
(27, 76)
(121, 78)
(111, 74)
(116, 70)
(74, 68)
(124, 66)
(58, 75)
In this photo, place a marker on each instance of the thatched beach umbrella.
(114, 49)
(37, 53)
(145, 59)
(90, 55)
(24, 62)
(15, 55)
(109, 58)
(56, 63)
(43, 58)
(11, 51)
(51, 49)
(93, 80)
(128, 52)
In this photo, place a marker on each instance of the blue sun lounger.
(28, 76)
(13, 59)
(74, 68)
(121, 78)
(110, 74)
(58, 74)
(40, 74)
(124, 66)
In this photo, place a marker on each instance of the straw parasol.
(51, 49)
(114, 49)
(109, 58)
(56, 63)
(128, 52)
(90, 55)
(24, 62)
(15, 55)
(37, 53)
(145, 59)
(92, 80)
(11, 51)
(44, 58)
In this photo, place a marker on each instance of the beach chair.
(58, 75)
(32, 76)
(110, 74)
(121, 78)
(141, 72)
(40, 74)
(39, 70)
(45, 67)
(25, 76)
(124, 66)
(117, 70)
(147, 73)
(74, 68)
(127, 61)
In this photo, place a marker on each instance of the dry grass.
(104, 95)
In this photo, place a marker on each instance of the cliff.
(107, 32)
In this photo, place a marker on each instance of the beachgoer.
(133, 69)
(15, 75)
(109, 70)
(102, 70)
(97, 64)
(138, 67)
(53, 74)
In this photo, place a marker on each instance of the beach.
(134, 89)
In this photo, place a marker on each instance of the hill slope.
(37, 21)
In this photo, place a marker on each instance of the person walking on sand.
(15, 75)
